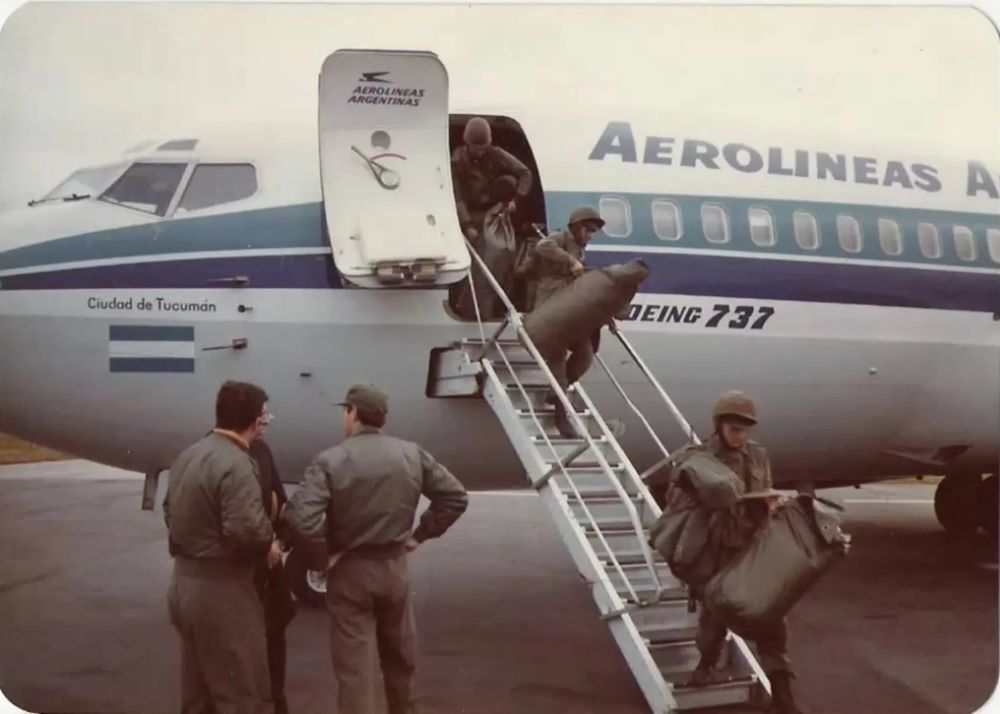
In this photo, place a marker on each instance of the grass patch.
(15, 451)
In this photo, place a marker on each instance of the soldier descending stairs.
(596, 497)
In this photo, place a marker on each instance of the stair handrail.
(686, 427)
(514, 320)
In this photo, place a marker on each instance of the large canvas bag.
(760, 585)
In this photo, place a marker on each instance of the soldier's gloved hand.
(411, 544)
(576, 268)
(471, 233)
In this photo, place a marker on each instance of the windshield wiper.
(71, 197)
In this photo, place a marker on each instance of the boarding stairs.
(601, 508)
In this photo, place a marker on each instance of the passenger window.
(889, 236)
(965, 242)
(617, 217)
(761, 227)
(146, 187)
(806, 230)
(929, 240)
(993, 242)
(667, 220)
(714, 223)
(214, 184)
(849, 234)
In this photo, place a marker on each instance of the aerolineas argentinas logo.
(372, 89)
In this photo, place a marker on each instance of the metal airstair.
(601, 508)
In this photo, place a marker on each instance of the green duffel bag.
(683, 538)
(715, 485)
(760, 585)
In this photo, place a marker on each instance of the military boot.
(563, 424)
(703, 674)
(781, 694)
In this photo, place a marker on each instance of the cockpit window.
(213, 184)
(87, 181)
(146, 187)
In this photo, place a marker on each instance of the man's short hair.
(369, 417)
(237, 405)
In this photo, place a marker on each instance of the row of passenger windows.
(668, 226)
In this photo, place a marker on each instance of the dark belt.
(377, 551)
(212, 568)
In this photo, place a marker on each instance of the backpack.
(702, 489)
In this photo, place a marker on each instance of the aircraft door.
(386, 169)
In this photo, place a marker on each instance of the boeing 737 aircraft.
(852, 289)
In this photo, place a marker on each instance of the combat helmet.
(735, 404)
(477, 132)
(586, 214)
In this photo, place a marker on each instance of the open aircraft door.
(386, 169)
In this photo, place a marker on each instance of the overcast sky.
(79, 82)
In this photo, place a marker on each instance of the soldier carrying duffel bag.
(722, 516)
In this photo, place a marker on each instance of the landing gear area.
(308, 586)
(966, 503)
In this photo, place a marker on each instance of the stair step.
(623, 541)
(535, 396)
(639, 577)
(666, 622)
(564, 447)
(526, 371)
(513, 349)
(678, 659)
(605, 509)
(547, 418)
(595, 481)
(737, 691)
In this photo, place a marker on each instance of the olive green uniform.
(218, 532)
(368, 488)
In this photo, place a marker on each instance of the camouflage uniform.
(730, 531)
(751, 463)
(473, 180)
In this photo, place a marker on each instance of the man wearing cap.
(559, 258)
(475, 167)
(734, 417)
(368, 488)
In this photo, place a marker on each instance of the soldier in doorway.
(475, 167)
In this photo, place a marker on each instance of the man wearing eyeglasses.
(218, 533)
(367, 488)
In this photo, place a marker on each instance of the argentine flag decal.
(151, 348)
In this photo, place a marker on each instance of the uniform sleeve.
(447, 495)
(456, 183)
(551, 249)
(244, 521)
(309, 503)
(512, 165)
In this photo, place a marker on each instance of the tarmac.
(906, 625)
